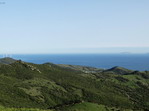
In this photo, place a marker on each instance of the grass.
(20, 109)
(86, 106)
(44, 86)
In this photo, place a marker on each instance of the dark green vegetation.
(64, 88)
(7, 60)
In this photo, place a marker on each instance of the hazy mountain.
(119, 70)
(7, 60)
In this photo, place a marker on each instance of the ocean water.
(106, 61)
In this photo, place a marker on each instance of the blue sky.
(74, 26)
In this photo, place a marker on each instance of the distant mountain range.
(60, 87)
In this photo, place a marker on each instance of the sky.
(74, 26)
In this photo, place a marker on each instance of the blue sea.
(106, 61)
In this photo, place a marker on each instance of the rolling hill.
(71, 88)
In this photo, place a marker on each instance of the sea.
(138, 62)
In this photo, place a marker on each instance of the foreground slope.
(50, 86)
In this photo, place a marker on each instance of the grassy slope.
(7, 60)
(20, 109)
(86, 106)
(50, 86)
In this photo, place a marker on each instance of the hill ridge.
(44, 86)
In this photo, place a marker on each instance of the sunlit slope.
(49, 86)
(21, 109)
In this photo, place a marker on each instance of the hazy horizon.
(80, 26)
(114, 50)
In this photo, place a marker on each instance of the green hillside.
(58, 88)
(7, 60)
(20, 109)
(86, 106)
